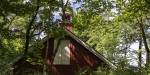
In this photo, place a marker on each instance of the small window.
(63, 53)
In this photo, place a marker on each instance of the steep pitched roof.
(97, 54)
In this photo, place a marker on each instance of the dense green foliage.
(109, 26)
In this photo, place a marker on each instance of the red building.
(68, 55)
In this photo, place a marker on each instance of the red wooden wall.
(80, 58)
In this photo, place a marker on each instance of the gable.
(88, 48)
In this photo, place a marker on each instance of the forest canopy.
(118, 29)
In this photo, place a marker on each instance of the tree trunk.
(144, 41)
(28, 31)
(140, 53)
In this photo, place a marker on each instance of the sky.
(73, 3)
(135, 47)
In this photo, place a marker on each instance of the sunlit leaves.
(101, 34)
(1, 19)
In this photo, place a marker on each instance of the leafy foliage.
(110, 27)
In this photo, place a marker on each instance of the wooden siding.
(80, 58)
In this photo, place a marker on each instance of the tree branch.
(28, 30)
(144, 40)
